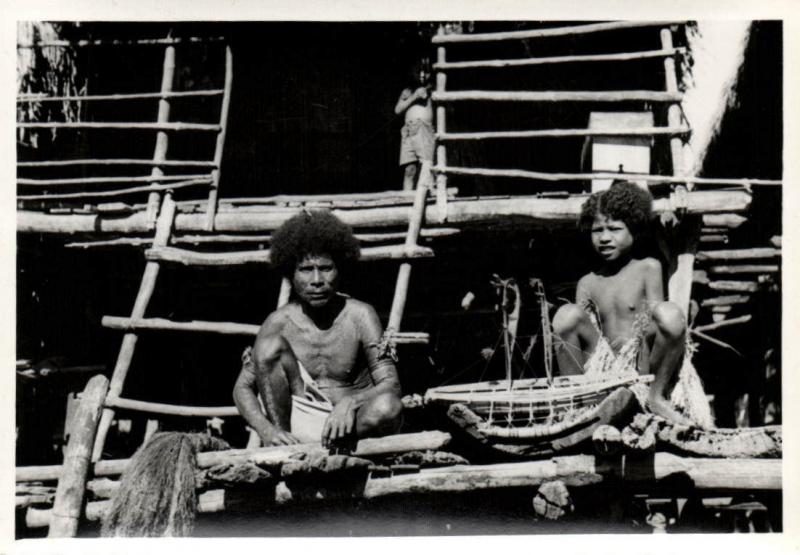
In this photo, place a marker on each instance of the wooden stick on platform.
(126, 96)
(517, 62)
(549, 32)
(72, 481)
(132, 125)
(557, 96)
(540, 133)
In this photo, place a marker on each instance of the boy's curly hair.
(623, 201)
(313, 233)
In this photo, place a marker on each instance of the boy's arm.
(582, 295)
(653, 284)
(407, 98)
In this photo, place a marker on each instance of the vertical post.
(680, 283)
(211, 210)
(72, 481)
(162, 138)
(146, 288)
(441, 128)
(414, 225)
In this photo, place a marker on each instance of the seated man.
(317, 361)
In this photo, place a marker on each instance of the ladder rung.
(164, 408)
(195, 258)
(228, 328)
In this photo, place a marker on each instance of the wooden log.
(225, 328)
(103, 487)
(119, 42)
(195, 258)
(28, 499)
(549, 32)
(607, 440)
(565, 133)
(164, 408)
(105, 180)
(730, 221)
(725, 300)
(115, 162)
(739, 254)
(706, 473)
(117, 192)
(223, 121)
(369, 447)
(739, 286)
(557, 96)
(746, 269)
(733, 321)
(714, 238)
(163, 230)
(534, 209)
(518, 62)
(137, 125)
(126, 96)
(72, 482)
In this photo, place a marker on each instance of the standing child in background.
(620, 321)
(417, 136)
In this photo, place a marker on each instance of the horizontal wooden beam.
(557, 96)
(369, 447)
(738, 286)
(725, 300)
(730, 221)
(225, 328)
(138, 125)
(110, 179)
(117, 192)
(116, 162)
(739, 254)
(127, 96)
(195, 258)
(166, 408)
(119, 42)
(746, 269)
(550, 31)
(520, 62)
(724, 323)
(545, 133)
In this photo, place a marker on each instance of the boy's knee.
(669, 319)
(568, 318)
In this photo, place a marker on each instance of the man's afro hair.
(623, 201)
(313, 233)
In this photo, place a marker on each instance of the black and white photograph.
(402, 277)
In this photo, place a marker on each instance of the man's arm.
(341, 422)
(245, 393)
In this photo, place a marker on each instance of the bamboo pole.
(194, 258)
(441, 65)
(118, 192)
(135, 125)
(738, 286)
(560, 176)
(725, 300)
(716, 325)
(119, 42)
(746, 269)
(731, 221)
(110, 179)
(72, 481)
(368, 447)
(165, 408)
(128, 96)
(225, 328)
(414, 225)
(162, 138)
(125, 356)
(714, 238)
(220, 144)
(114, 162)
(739, 254)
(441, 129)
(558, 96)
(538, 133)
(551, 32)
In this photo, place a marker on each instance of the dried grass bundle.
(157, 495)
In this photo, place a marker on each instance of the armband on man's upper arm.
(382, 369)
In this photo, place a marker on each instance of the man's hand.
(340, 423)
(275, 436)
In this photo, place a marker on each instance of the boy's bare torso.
(420, 110)
(619, 298)
(333, 357)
